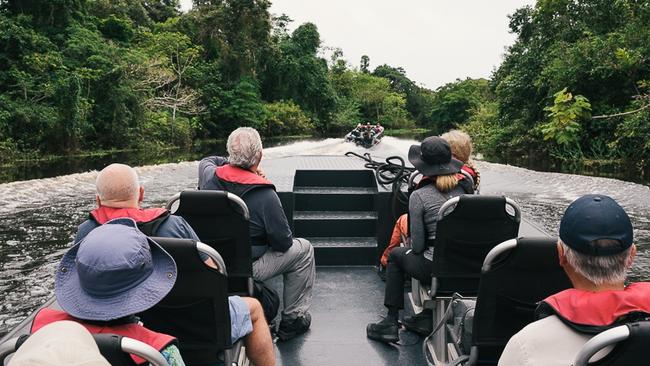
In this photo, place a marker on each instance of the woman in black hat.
(433, 159)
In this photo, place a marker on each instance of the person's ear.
(630, 259)
(141, 196)
(98, 200)
(560, 254)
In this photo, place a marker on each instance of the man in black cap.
(596, 250)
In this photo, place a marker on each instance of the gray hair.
(117, 182)
(244, 147)
(600, 270)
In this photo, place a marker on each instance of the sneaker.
(291, 328)
(421, 323)
(383, 331)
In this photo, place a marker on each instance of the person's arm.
(416, 219)
(278, 232)
(514, 354)
(173, 356)
(207, 166)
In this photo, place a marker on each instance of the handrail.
(7, 347)
(448, 206)
(231, 196)
(214, 255)
(600, 341)
(171, 201)
(155, 358)
(515, 206)
(494, 253)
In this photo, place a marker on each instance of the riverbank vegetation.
(86, 75)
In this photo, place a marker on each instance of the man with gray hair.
(596, 250)
(275, 252)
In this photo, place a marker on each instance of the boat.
(340, 206)
(366, 135)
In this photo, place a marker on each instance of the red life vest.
(104, 214)
(136, 331)
(240, 181)
(591, 312)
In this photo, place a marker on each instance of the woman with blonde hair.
(461, 149)
(434, 160)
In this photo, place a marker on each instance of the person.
(274, 250)
(468, 179)
(119, 195)
(102, 286)
(596, 250)
(461, 149)
(433, 159)
(60, 343)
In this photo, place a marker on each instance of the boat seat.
(516, 275)
(116, 349)
(630, 346)
(196, 310)
(221, 220)
(468, 227)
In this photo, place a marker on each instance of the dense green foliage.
(573, 86)
(103, 74)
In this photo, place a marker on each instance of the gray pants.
(298, 269)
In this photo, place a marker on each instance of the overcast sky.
(435, 41)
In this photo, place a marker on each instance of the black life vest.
(148, 220)
(240, 181)
(594, 312)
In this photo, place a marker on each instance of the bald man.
(119, 194)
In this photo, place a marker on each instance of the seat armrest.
(236, 355)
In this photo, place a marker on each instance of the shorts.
(240, 318)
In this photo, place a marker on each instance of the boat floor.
(345, 300)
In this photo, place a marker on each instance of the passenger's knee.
(254, 307)
(305, 247)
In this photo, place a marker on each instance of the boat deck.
(345, 300)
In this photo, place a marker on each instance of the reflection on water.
(38, 217)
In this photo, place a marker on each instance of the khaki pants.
(298, 269)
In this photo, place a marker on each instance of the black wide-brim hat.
(433, 157)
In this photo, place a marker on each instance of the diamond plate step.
(343, 242)
(334, 190)
(334, 215)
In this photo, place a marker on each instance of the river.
(38, 217)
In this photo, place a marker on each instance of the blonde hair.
(445, 183)
(460, 143)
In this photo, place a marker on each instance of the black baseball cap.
(593, 217)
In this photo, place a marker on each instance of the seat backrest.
(631, 346)
(468, 227)
(196, 310)
(116, 349)
(221, 220)
(516, 275)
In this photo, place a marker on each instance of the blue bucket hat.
(593, 217)
(115, 271)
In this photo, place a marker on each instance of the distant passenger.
(468, 179)
(107, 278)
(461, 149)
(433, 159)
(60, 343)
(119, 194)
(596, 250)
(275, 252)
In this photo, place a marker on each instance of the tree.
(365, 64)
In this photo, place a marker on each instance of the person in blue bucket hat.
(114, 273)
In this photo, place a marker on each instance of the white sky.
(435, 41)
